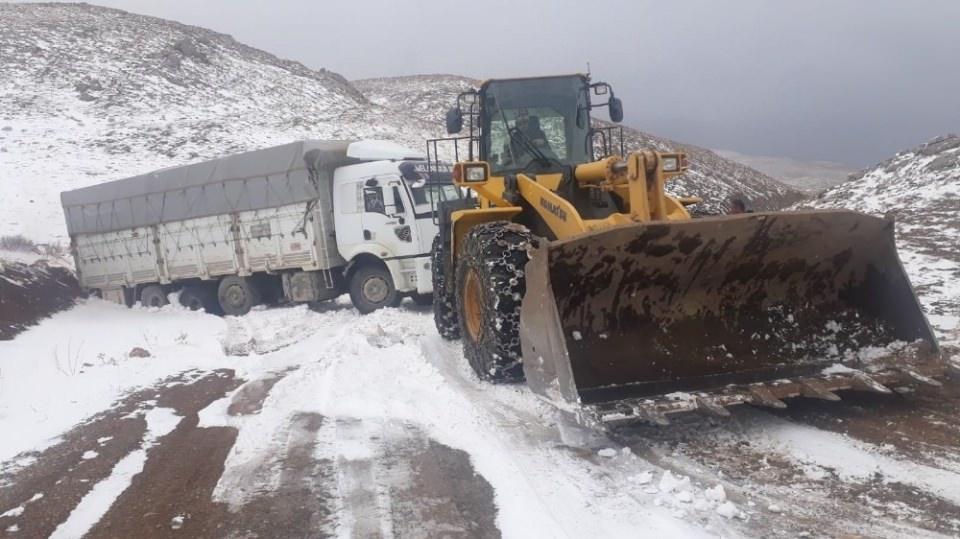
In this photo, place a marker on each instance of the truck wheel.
(490, 288)
(237, 295)
(371, 288)
(444, 299)
(199, 297)
(153, 295)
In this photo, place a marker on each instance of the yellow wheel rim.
(473, 304)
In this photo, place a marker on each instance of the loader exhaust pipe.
(654, 308)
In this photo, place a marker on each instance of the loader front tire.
(444, 296)
(490, 288)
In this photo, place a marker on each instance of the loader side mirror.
(616, 110)
(454, 120)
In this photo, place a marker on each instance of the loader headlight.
(476, 174)
(472, 172)
(671, 164)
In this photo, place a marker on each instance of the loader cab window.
(544, 112)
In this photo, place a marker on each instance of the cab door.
(387, 218)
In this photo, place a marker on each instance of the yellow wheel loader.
(570, 266)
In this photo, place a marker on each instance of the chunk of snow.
(716, 494)
(774, 508)
(684, 496)
(15, 512)
(727, 510)
(87, 455)
(644, 478)
(670, 482)
(577, 335)
(607, 452)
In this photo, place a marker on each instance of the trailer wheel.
(199, 297)
(372, 288)
(237, 295)
(490, 288)
(444, 297)
(153, 295)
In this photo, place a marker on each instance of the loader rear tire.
(444, 297)
(490, 288)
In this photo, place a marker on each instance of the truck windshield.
(439, 193)
(544, 113)
(428, 185)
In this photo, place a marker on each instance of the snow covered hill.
(920, 189)
(711, 177)
(90, 94)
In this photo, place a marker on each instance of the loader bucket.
(651, 309)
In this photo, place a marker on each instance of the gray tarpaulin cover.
(260, 179)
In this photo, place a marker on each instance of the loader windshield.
(543, 114)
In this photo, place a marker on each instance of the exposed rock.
(136, 351)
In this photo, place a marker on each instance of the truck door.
(388, 218)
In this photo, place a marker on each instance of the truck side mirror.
(454, 120)
(616, 110)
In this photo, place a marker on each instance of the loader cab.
(540, 124)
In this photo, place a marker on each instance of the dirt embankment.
(29, 293)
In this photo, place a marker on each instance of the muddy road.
(376, 427)
(399, 482)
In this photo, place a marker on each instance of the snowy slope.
(920, 189)
(711, 177)
(90, 94)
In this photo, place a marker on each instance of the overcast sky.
(851, 81)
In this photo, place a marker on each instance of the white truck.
(302, 222)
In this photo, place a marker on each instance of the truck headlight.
(671, 164)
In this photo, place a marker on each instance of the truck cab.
(385, 223)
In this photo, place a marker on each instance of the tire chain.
(444, 302)
(505, 248)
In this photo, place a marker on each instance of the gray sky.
(851, 81)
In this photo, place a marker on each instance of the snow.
(75, 364)
(727, 510)
(822, 453)
(381, 149)
(15, 512)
